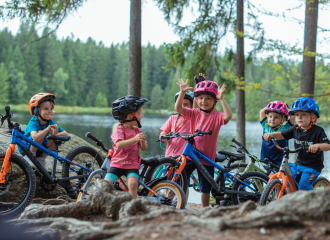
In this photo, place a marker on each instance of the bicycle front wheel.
(81, 155)
(18, 191)
(271, 192)
(320, 183)
(160, 171)
(257, 181)
(171, 192)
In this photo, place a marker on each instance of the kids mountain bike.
(164, 191)
(247, 187)
(275, 188)
(17, 178)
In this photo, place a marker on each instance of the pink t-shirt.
(178, 143)
(206, 144)
(127, 158)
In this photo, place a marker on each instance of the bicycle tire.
(26, 193)
(81, 154)
(239, 198)
(320, 183)
(182, 179)
(170, 185)
(82, 195)
(270, 192)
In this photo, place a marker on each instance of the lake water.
(101, 127)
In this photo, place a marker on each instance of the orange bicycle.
(277, 184)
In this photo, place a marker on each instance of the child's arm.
(121, 144)
(292, 119)
(323, 146)
(225, 106)
(143, 145)
(184, 88)
(277, 136)
(41, 135)
(64, 133)
(263, 114)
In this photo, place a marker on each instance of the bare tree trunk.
(240, 94)
(308, 67)
(135, 59)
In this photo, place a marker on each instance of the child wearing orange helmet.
(41, 125)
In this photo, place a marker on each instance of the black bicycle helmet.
(125, 105)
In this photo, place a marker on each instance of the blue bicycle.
(248, 186)
(17, 178)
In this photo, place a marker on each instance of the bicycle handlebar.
(186, 137)
(98, 141)
(287, 150)
(7, 109)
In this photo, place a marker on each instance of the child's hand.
(183, 85)
(313, 148)
(140, 137)
(266, 136)
(200, 78)
(53, 130)
(220, 91)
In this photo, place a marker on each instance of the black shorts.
(114, 173)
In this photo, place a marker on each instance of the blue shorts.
(204, 185)
(114, 173)
(308, 176)
(39, 152)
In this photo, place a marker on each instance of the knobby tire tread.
(267, 190)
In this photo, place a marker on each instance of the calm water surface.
(101, 127)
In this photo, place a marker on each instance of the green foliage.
(4, 83)
(58, 83)
(156, 97)
(87, 102)
(101, 100)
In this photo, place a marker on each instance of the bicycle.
(248, 186)
(157, 189)
(17, 178)
(275, 188)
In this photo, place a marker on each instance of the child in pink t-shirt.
(176, 123)
(127, 138)
(205, 118)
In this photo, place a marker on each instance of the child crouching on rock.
(127, 138)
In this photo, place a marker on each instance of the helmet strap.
(207, 111)
(38, 114)
(132, 120)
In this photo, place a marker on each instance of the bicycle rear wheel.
(160, 171)
(171, 191)
(18, 191)
(256, 180)
(82, 155)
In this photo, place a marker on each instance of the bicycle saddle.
(232, 156)
(59, 138)
(150, 162)
(220, 158)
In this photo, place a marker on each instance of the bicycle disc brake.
(166, 201)
(48, 187)
(6, 186)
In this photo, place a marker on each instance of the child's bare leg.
(108, 180)
(51, 145)
(133, 186)
(205, 199)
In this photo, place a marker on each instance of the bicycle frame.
(17, 139)
(191, 152)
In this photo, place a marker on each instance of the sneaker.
(29, 161)
(42, 160)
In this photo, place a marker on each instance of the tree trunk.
(240, 94)
(308, 67)
(135, 59)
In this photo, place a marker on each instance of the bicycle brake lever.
(233, 147)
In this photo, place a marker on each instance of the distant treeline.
(90, 74)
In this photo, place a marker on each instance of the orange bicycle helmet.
(37, 99)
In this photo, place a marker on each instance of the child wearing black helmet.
(305, 132)
(127, 138)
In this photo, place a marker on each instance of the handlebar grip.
(204, 132)
(7, 109)
(89, 135)
(236, 142)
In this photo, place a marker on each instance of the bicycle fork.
(6, 163)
